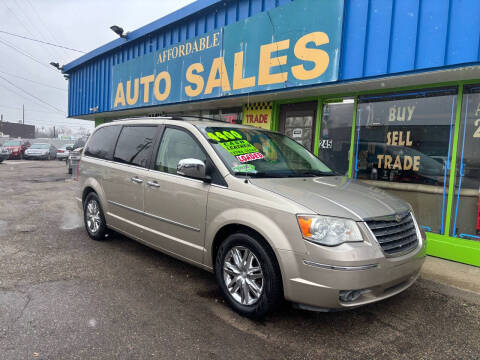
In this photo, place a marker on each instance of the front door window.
(177, 145)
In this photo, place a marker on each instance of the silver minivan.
(254, 207)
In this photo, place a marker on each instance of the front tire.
(94, 218)
(248, 275)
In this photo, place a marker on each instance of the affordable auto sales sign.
(294, 45)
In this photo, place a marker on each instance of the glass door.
(297, 121)
(465, 220)
(335, 134)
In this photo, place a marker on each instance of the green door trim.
(456, 249)
(318, 126)
(352, 138)
(453, 161)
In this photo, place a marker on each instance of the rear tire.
(248, 275)
(93, 217)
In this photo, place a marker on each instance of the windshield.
(39, 146)
(12, 143)
(261, 153)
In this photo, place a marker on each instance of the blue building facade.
(384, 91)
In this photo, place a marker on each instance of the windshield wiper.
(314, 173)
(258, 174)
(263, 174)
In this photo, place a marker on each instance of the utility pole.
(54, 131)
(23, 114)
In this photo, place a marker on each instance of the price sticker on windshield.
(239, 147)
(249, 157)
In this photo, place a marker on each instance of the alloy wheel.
(243, 276)
(93, 216)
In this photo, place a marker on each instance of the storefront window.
(335, 135)
(230, 115)
(466, 214)
(404, 146)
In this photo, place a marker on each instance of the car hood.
(335, 196)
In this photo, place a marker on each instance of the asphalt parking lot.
(64, 296)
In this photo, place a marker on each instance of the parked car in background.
(4, 154)
(41, 151)
(16, 148)
(75, 152)
(63, 152)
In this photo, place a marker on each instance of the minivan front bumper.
(322, 286)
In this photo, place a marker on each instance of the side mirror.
(192, 168)
(69, 148)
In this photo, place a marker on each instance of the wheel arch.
(92, 185)
(233, 228)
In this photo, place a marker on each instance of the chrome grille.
(396, 235)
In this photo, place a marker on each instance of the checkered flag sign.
(259, 106)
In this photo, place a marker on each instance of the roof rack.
(181, 117)
(170, 117)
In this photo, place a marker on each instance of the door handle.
(153, 184)
(136, 180)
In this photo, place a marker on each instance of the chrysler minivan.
(254, 207)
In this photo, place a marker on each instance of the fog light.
(350, 295)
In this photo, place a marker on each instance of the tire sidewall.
(271, 291)
(100, 234)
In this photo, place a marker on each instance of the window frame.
(158, 133)
(90, 138)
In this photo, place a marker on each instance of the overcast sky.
(78, 24)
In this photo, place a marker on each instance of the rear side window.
(102, 143)
(135, 145)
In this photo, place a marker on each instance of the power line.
(21, 22)
(33, 81)
(24, 97)
(52, 37)
(31, 110)
(35, 97)
(43, 42)
(4, 42)
(18, 19)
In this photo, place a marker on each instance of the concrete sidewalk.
(448, 274)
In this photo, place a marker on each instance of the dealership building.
(384, 91)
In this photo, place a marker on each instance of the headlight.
(329, 231)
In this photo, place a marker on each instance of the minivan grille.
(396, 236)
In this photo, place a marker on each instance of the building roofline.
(169, 19)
